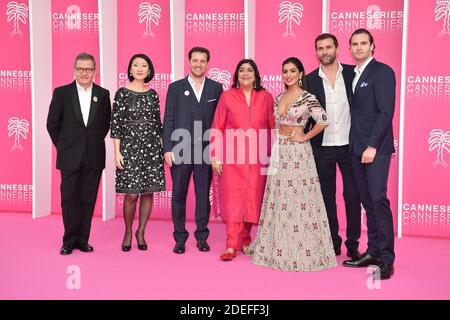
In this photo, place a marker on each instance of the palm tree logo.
(442, 11)
(18, 129)
(439, 140)
(289, 12)
(18, 13)
(150, 13)
(222, 76)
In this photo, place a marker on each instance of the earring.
(254, 84)
(300, 83)
(237, 85)
(131, 74)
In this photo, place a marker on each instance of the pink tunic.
(244, 158)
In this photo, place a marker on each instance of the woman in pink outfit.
(240, 147)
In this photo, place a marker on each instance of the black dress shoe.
(85, 247)
(337, 251)
(141, 246)
(126, 247)
(354, 254)
(386, 271)
(179, 248)
(364, 261)
(202, 245)
(66, 249)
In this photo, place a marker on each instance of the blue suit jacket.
(372, 110)
(315, 86)
(179, 104)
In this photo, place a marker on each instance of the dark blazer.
(372, 109)
(315, 86)
(177, 113)
(68, 132)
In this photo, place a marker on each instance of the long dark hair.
(299, 65)
(150, 67)
(257, 85)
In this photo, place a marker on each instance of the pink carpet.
(31, 268)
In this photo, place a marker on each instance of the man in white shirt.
(331, 84)
(78, 121)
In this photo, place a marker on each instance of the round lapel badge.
(95, 99)
(186, 93)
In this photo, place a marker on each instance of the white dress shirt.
(338, 110)
(85, 95)
(358, 72)
(198, 94)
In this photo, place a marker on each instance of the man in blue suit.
(371, 146)
(190, 106)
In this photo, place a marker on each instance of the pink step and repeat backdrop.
(15, 116)
(283, 29)
(426, 174)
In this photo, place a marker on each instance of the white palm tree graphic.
(150, 13)
(224, 77)
(442, 10)
(289, 12)
(18, 13)
(18, 128)
(440, 141)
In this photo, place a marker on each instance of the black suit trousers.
(372, 186)
(79, 190)
(326, 159)
(181, 176)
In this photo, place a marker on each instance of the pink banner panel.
(285, 29)
(15, 118)
(426, 195)
(75, 29)
(144, 27)
(219, 26)
(384, 19)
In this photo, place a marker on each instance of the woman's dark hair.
(257, 84)
(296, 61)
(150, 67)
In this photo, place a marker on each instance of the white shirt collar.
(359, 70)
(80, 88)
(192, 82)
(323, 75)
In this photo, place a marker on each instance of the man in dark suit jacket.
(78, 121)
(190, 106)
(372, 145)
(331, 83)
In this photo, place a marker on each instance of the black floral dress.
(136, 121)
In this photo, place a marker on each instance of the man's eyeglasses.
(81, 70)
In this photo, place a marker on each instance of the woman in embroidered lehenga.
(293, 233)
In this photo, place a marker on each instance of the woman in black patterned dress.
(136, 130)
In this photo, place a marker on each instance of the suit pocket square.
(364, 84)
(211, 100)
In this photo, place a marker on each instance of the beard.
(327, 60)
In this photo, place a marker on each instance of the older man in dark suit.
(372, 145)
(78, 121)
(190, 106)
